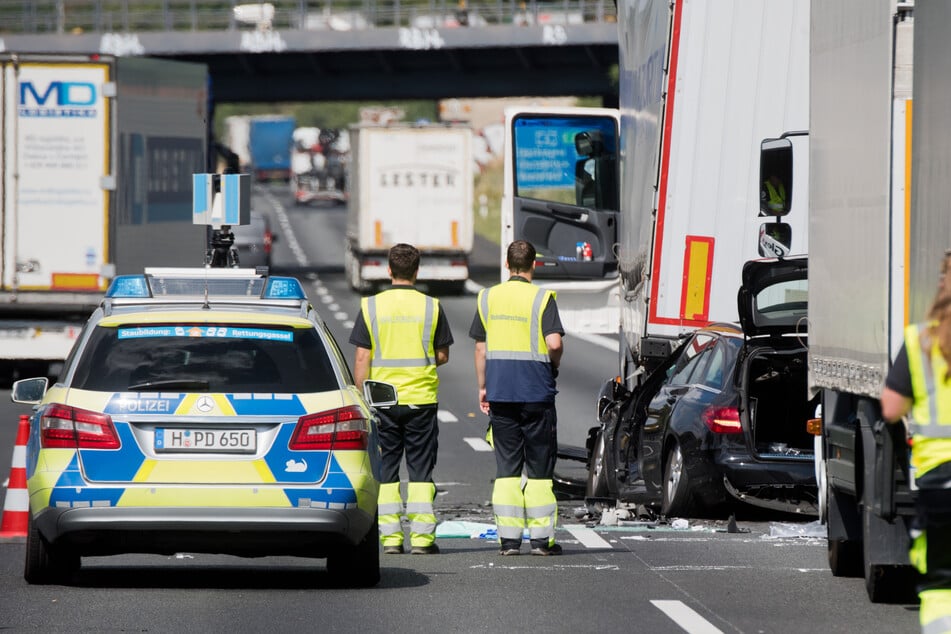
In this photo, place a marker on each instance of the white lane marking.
(587, 537)
(473, 287)
(494, 566)
(686, 568)
(478, 444)
(282, 219)
(446, 417)
(686, 617)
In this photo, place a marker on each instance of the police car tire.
(44, 564)
(359, 566)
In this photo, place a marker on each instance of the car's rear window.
(219, 358)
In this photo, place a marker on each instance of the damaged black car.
(723, 420)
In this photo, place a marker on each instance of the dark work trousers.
(934, 517)
(524, 434)
(412, 431)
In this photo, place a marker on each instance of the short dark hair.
(520, 256)
(404, 261)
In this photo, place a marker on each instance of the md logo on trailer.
(58, 99)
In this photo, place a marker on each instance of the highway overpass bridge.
(304, 50)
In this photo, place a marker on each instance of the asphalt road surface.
(770, 575)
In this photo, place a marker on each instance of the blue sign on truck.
(270, 141)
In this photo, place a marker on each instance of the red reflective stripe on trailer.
(665, 164)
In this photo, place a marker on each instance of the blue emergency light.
(129, 286)
(211, 282)
(284, 288)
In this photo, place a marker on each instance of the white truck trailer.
(238, 139)
(410, 184)
(643, 220)
(98, 157)
(879, 226)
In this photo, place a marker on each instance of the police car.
(209, 411)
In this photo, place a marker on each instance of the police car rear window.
(201, 357)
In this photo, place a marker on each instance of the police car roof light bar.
(245, 284)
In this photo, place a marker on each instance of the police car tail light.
(343, 428)
(723, 420)
(74, 428)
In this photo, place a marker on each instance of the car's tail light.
(74, 428)
(723, 420)
(268, 239)
(344, 428)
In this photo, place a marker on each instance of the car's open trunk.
(778, 404)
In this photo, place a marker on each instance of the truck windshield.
(569, 160)
(218, 358)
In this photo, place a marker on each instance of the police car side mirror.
(379, 394)
(29, 391)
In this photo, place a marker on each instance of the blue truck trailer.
(270, 140)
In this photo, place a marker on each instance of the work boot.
(508, 551)
(554, 549)
(432, 549)
(508, 547)
(393, 550)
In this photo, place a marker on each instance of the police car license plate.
(185, 440)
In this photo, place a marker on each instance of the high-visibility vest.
(931, 408)
(402, 324)
(517, 365)
(777, 197)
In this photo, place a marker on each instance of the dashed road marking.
(686, 617)
(445, 416)
(587, 537)
(478, 444)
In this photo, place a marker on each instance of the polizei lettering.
(135, 406)
(409, 177)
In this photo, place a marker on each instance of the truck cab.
(560, 192)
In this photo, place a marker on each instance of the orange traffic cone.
(16, 505)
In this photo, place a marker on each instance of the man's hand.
(483, 404)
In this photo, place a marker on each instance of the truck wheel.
(678, 500)
(359, 566)
(45, 564)
(845, 555)
(884, 583)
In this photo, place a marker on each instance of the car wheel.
(597, 493)
(45, 564)
(677, 497)
(358, 566)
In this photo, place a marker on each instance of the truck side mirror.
(775, 239)
(776, 177)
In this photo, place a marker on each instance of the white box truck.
(879, 226)
(410, 184)
(98, 157)
(644, 217)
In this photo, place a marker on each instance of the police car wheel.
(359, 566)
(45, 564)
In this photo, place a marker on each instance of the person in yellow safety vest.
(518, 335)
(401, 336)
(919, 383)
(774, 194)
